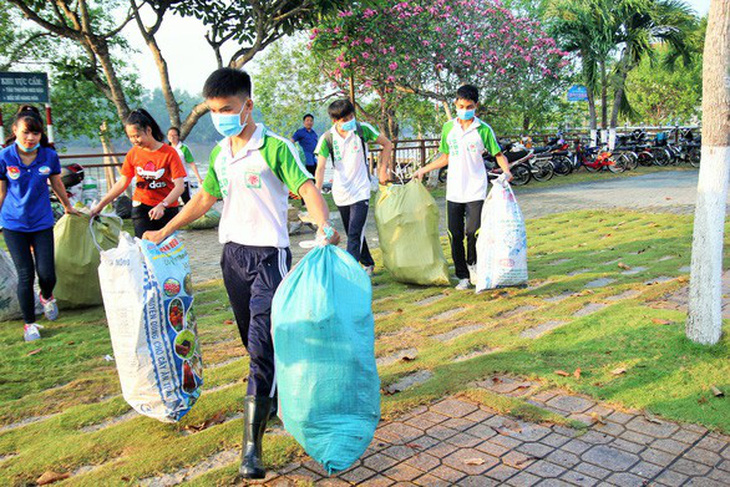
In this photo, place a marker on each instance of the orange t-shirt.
(154, 171)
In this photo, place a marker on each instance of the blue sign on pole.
(23, 87)
(578, 93)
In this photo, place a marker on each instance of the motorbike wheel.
(661, 157)
(520, 175)
(694, 156)
(442, 175)
(618, 164)
(645, 159)
(632, 162)
(543, 171)
(563, 166)
(591, 168)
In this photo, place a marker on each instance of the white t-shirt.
(254, 184)
(466, 180)
(350, 181)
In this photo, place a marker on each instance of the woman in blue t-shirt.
(26, 165)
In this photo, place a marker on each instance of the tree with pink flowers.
(430, 47)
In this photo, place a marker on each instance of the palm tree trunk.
(604, 96)
(592, 117)
(704, 320)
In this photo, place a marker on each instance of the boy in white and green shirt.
(463, 140)
(252, 170)
(346, 145)
(173, 136)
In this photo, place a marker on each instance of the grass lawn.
(68, 394)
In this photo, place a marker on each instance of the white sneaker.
(369, 270)
(463, 284)
(472, 274)
(50, 308)
(31, 332)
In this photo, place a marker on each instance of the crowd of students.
(252, 170)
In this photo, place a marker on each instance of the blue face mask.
(229, 125)
(349, 126)
(465, 114)
(25, 149)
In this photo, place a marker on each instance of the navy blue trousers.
(32, 252)
(251, 276)
(354, 218)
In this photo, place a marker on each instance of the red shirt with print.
(154, 172)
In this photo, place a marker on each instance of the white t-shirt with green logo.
(186, 157)
(254, 184)
(466, 180)
(350, 180)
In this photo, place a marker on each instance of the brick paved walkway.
(459, 442)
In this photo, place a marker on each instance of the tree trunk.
(604, 96)
(101, 50)
(447, 109)
(593, 122)
(525, 122)
(704, 320)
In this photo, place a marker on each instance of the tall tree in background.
(704, 320)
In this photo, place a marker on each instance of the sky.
(190, 59)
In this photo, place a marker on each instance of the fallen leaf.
(668, 198)
(652, 419)
(659, 321)
(562, 373)
(408, 357)
(598, 418)
(618, 224)
(70, 343)
(618, 371)
(717, 392)
(33, 352)
(496, 380)
(50, 477)
(474, 461)
(623, 266)
(228, 322)
(217, 418)
(413, 446)
(512, 425)
(576, 373)
(606, 236)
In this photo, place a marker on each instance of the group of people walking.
(252, 170)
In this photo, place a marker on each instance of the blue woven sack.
(324, 346)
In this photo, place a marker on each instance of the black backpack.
(328, 139)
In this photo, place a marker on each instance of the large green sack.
(77, 258)
(407, 218)
(210, 220)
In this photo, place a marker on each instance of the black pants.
(456, 214)
(354, 218)
(251, 276)
(23, 247)
(142, 223)
(185, 196)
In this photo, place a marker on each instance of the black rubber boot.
(256, 413)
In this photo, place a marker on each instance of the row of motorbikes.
(558, 158)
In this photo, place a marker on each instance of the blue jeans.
(23, 248)
(354, 218)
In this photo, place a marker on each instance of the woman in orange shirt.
(159, 174)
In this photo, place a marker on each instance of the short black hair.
(226, 82)
(468, 92)
(177, 130)
(308, 115)
(340, 109)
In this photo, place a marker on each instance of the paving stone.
(625, 479)
(545, 469)
(461, 460)
(423, 443)
(441, 450)
(396, 357)
(433, 417)
(659, 280)
(657, 457)
(419, 422)
(577, 478)
(600, 282)
(464, 440)
(456, 332)
(482, 431)
(717, 474)
(537, 450)
(646, 470)
(592, 470)
(402, 473)
(379, 462)
(478, 416)
(331, 482)
(706, 482)
(477, 481)
(671, 479)
(635, 437)
(560, 297)
(610, 458)
(475, 353)
(686, 436)
(447, 473)
(446, 314)
(458, 424)
(524, 479)
(589, 309)
(399, 452)
(377, 481)
(634, 270)
(571, 404)
(441, 432)
(554, 483)
(688, 467)
(423, 461)
(613, 429)
(454, 408)
(429, 300)
(685, 269)
(517, 460)
(398, 433)
(357, 475)
(303, 474)
(506, 441)
(431, 481)
(724, 465)
(576, 446)
(643, 426)
(628, 446)
(712, 444)
(410, 380)
(582, 418)
(559, 261)
(578, 272)
(596, 438)
(669, 445)
(563, 458)
(542, 328)
(492, 448)
(502, 472)
(631, 293)
(620, 417)
(544, 396)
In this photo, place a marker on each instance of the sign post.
(26, 88)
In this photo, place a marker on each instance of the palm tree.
(639, 25)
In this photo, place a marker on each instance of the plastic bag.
(210, 220)
(502, 241)
(9, 305)
(324, 344)
(77, 257)
(407, 219)
(148, 299)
